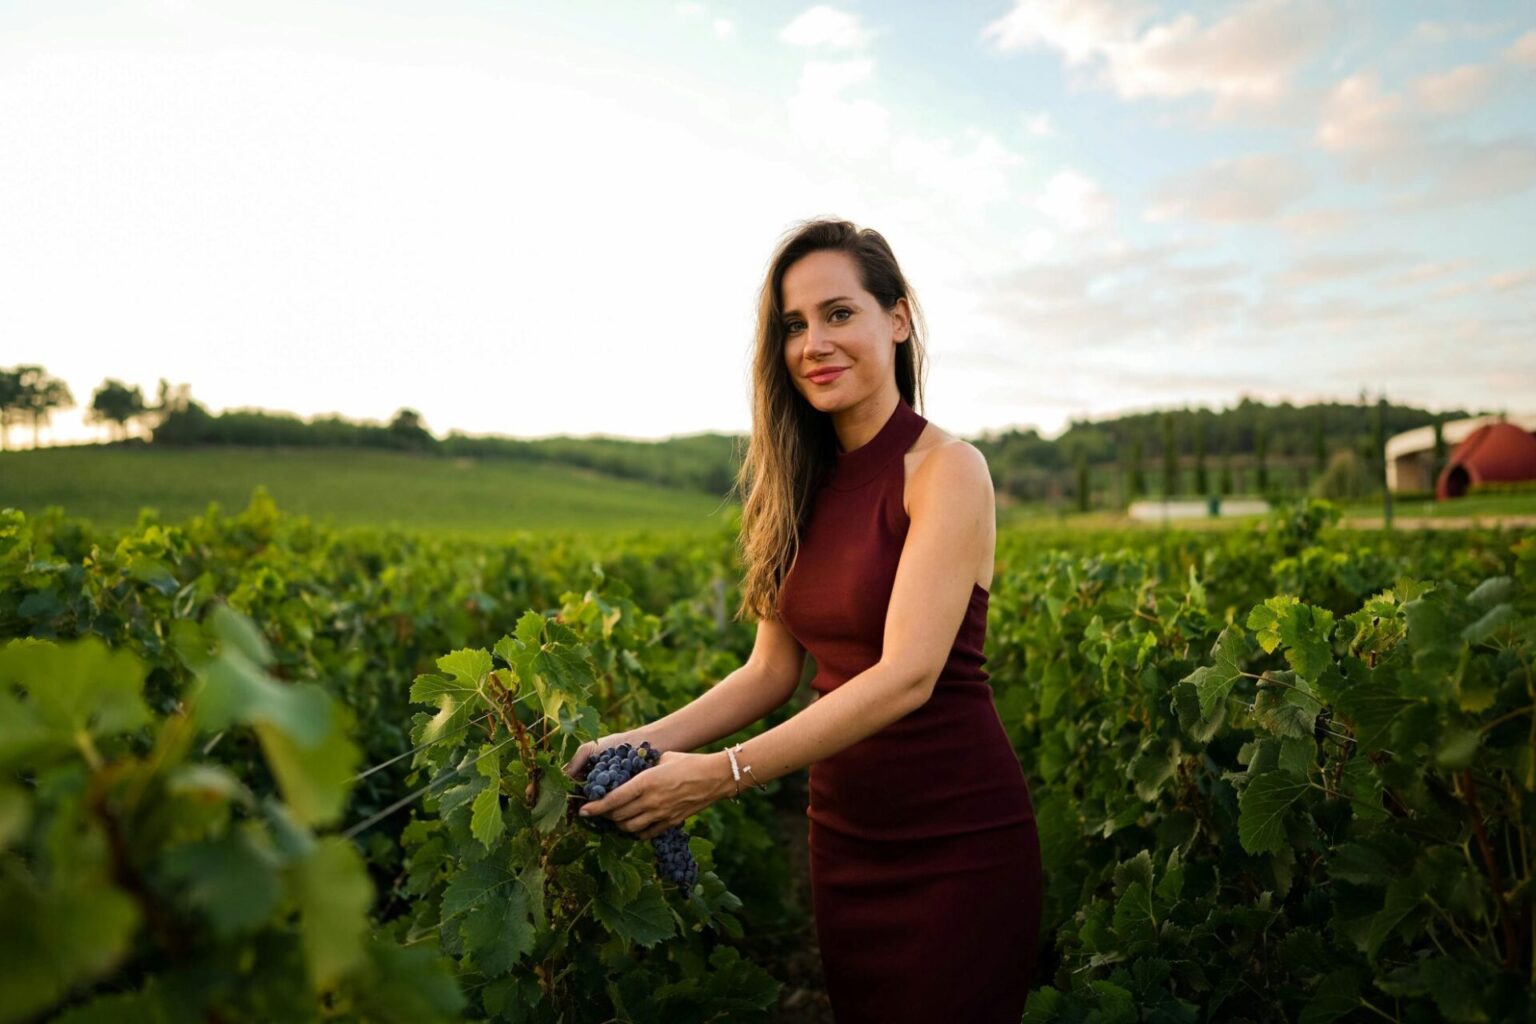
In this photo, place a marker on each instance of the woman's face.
(830, 322)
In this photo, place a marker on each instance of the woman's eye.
(794, 325)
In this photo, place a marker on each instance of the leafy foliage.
(136, 880)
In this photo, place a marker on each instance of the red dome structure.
(1494, 451)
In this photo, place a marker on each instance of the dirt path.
(1441, 522)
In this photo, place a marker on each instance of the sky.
(533, 219)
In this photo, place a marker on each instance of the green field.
(363, 487)
(477, 498)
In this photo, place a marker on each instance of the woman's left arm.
(947, 541)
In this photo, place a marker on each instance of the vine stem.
(1265, 677)
(1504, 718)
(1378, 1010)
(1506, 927)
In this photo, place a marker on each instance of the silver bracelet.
(736, 770)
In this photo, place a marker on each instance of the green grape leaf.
(1364, 787)
(1153, 766)
(1262, 807)
(1285, 705)
(486, 823)
(1338, 995)
(1458, 985)
(1135, 921)
(554, 790)
(146, 1007)
(1213, 682)
(1373, 707)
(551, 658)
(623, 878)
(412, 985)
(233, 879)
(458, 695)
(81, 688)
(333, 892)
(1493, 591)
(234, 690)
(1186, 705)
(239, 633)
(15, 814)
(1458, 747)
(497, 931)
(1302, 628)
(314, 780)
(1490, 623)
(54, 939)
(472, 885)
(1404, 895)
(644, 920)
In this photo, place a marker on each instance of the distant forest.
(1251, 448)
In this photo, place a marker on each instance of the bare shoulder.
(942, 461)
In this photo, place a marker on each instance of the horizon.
(21, 432)
(1104, 209)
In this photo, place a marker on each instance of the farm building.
(1478, 449)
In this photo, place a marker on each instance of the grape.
(605, 771)
(674, 860)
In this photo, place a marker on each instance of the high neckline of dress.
(896, 435)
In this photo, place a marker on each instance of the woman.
(868, 537)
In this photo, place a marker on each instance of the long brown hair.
(793, 444)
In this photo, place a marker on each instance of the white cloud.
(1243, 59)
(1334, 268)
(1359, 118)
(823, 26)
(1423, 272)
(1318, 221)
(824, 116)
(973, 179)
(1472, 172)
(1513, 279)
(1523, 50)
(1040, 125)
(1451, 31)
(1455, 91)
(1075, 201)
(723, 28)
(1232, 190)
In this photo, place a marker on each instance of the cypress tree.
(1170, 459)
(1260, 451)
(1138, 480)
(1202, 484)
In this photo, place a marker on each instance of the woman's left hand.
(678, 786)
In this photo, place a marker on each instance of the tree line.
(1334, 449)
(1251, 447)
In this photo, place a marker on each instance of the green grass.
(362, 487)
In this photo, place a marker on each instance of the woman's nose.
(816, 342)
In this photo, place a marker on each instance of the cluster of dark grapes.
(608, 769)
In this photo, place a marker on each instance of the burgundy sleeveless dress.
(924, 859)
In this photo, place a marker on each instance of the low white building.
(1151, 510)
(1411, 454)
